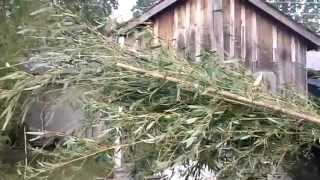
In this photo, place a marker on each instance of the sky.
(313, 60)
(124, 11)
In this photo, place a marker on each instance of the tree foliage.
(142, 5)
(162, 123)
(95, 11)
(176, 118)
(15, 15)
(305, 12)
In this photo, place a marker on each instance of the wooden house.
(263, 38)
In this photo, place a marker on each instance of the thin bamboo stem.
(230, 97)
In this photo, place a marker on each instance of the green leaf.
(41, 10)
(192, 120)
(190, 141)
(150, 125)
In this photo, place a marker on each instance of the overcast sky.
(124, 11)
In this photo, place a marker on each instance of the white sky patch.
(123, 13)
(313, 60)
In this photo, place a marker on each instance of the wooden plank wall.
(188, 26)
(236, 29)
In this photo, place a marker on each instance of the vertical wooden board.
(281, 55)
(293, 61)
(218, 27)
(293, 49)
(199, 29)
(288, 66)
(304, 73)
(204, 4)
(275, 57)
(156, 30)
(176, 27)
(226, 26)
(232, 27)
(237, 29)
(191, 45)
(206, 34)
(181, 15)
(181, 43)
(166, 24)
(287, 60)
(254, 37)
(287, 45)
(187, 18)
(298, 67)
(284, 54)
(265, 43)
(193, 12)
(249, 40)
(186, 29)
(254, 41)
(181, 21)
(210, 16)
(243, 32)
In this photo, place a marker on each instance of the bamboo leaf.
(41, 10)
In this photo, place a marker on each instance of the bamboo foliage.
(167, 110)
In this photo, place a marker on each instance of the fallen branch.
(230, 97)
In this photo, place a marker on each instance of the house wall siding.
(236, 29)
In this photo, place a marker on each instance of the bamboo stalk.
(230, 97)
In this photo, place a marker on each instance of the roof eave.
(149, 14)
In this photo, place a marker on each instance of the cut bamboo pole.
(230, 97)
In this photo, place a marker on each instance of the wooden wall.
(236, 29)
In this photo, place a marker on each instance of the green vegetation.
(167, 110)
(142, 5)
(305, 12)
(17, 17)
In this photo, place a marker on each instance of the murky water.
(90, 169)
